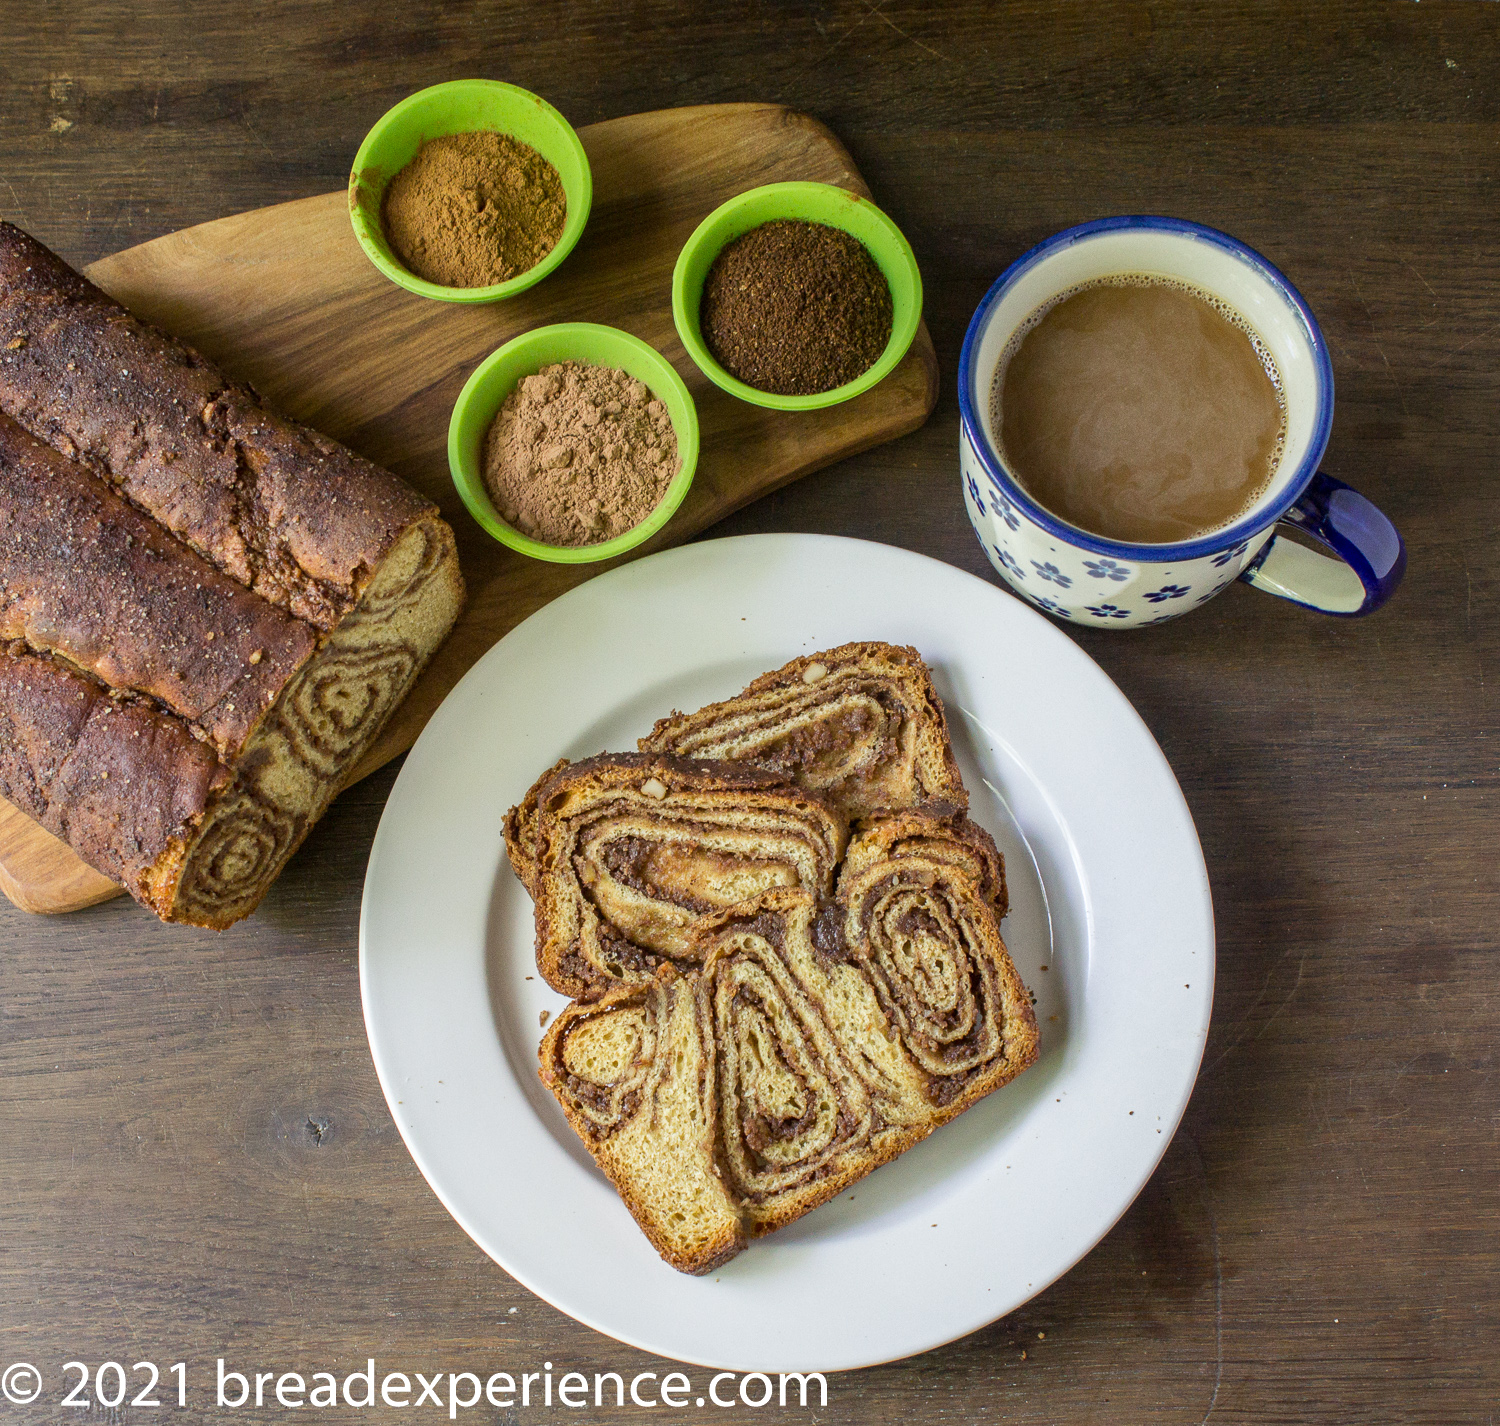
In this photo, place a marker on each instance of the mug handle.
(1372, 555)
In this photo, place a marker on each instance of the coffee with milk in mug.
(1144, 403)
(1140, 408)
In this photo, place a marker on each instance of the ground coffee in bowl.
(796, 308)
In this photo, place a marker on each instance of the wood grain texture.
(284, 297)
(195, 1156)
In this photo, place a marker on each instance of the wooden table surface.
(195, 1157)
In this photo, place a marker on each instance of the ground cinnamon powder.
(579, 454)
(474, 209)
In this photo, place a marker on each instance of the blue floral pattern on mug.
(1107, 611)
(1053, 607)
(1227, 556)
(1220, 586)
(1107, 569)
(1050, 571)
(1002, 507)
(1168, 591)
(974, 491)
(1010, 562)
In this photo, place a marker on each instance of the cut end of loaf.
(325, 718)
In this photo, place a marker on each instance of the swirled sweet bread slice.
(810, 1093)
(822, 1041)
(633, 850)
(936, 830)
(860, 724)
(634, 1077)
(926, 934)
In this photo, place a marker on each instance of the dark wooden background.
(195, 1158)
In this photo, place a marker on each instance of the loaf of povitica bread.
(211, 610)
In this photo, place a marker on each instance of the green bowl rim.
(403, 277)
(471, 489)
(687, 331)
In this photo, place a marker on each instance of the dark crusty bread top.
(114, 776)
(86, 575)
(288, 512)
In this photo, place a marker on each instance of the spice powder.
(579, 454)
(471, 210)
(796, 308)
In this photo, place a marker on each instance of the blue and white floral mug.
(1089, 579)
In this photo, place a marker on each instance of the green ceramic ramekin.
(493, 380)
(464, 106)
(815, 203)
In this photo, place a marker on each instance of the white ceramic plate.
(1111, 926)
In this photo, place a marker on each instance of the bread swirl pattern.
(793, 1078)
(928, 940)
(635, 1077)
(632, 851)
(321, 724)
(938, 831)
(860, 724)
(796, 1108)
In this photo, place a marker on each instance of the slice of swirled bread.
(635, 1077)
(632, 850)
(860, 724)
(925, 933)
(824, 1040)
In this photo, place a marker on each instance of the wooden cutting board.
(284, 298)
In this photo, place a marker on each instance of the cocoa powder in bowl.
(579, 454)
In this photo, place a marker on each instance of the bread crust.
(520, 829)
(283, 510)
(120, 781)
(87, 576)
